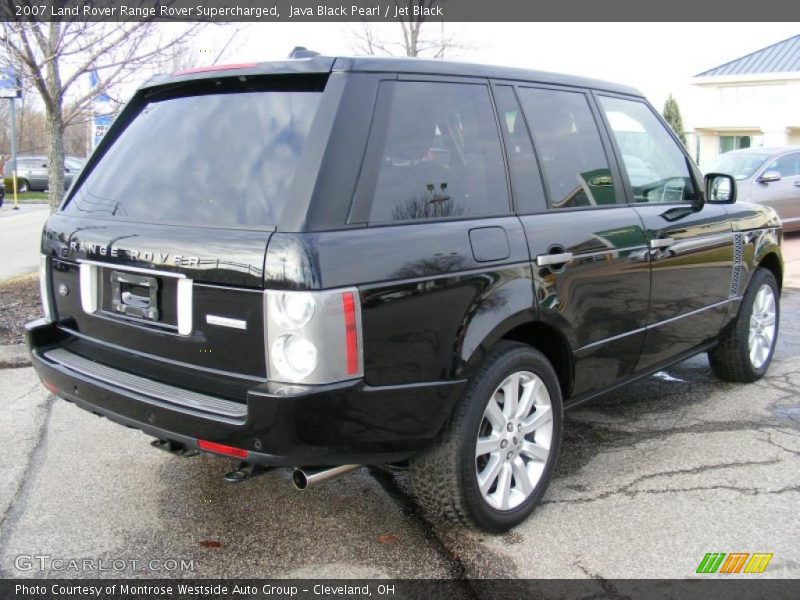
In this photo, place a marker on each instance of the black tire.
(730, 359)
(23, 186)
(444, 478)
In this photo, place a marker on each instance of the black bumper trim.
(146, 387)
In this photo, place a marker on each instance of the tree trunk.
(55, 157)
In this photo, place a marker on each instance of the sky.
(656, 58)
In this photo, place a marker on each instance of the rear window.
(225, 159)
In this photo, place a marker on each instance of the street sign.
(103, 112)
(100, 125)
(9, 83)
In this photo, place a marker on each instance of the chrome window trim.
(657, 324)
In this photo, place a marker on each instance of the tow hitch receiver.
(174, 448)
(244, 472)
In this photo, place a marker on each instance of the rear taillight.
(350, 332)
(313, 337)
(44, 287)
(221, 449)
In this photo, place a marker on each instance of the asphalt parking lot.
(649, 480)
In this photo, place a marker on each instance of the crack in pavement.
(386, 480)
(468, 556)
(772, 442)
(610, 590)
(631, 493)
(30, 390)
(634, 437)
(789, 432)
(627, 491)
(15, 508)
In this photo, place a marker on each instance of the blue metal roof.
(783, 57)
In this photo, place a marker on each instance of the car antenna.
(302, 52)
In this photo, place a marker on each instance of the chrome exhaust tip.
(305, 478)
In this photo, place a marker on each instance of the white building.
(751, 101)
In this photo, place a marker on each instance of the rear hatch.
(156, 258)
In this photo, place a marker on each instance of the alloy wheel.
(762, 326)
(514, 440)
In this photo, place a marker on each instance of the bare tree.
(56, 58)
(433, 204)
(432, 42)
(30, 130)
(185, 55)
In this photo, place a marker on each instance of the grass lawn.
(35, 197)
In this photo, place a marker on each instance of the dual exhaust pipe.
(305, 478)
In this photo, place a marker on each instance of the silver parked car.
(768, 176)
(33, 173)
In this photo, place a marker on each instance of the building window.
(733, 142)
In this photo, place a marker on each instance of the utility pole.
(10, 88)
(13, 102)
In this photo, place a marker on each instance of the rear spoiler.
(315, 64)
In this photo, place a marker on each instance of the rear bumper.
(345, 423)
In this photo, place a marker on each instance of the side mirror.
(769, 176)
(720, 188)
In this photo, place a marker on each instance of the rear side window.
(526, 183)
(439, 155)
(656, 166)
(571, 153)
(212, 159)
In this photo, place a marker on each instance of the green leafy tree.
(672, 115)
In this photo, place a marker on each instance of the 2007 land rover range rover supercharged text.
(325, 262)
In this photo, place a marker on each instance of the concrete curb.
(14, 356)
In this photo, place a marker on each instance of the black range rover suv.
(330, 262)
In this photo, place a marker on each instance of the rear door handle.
(661, 243)
(797, 183)
(545, 260)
